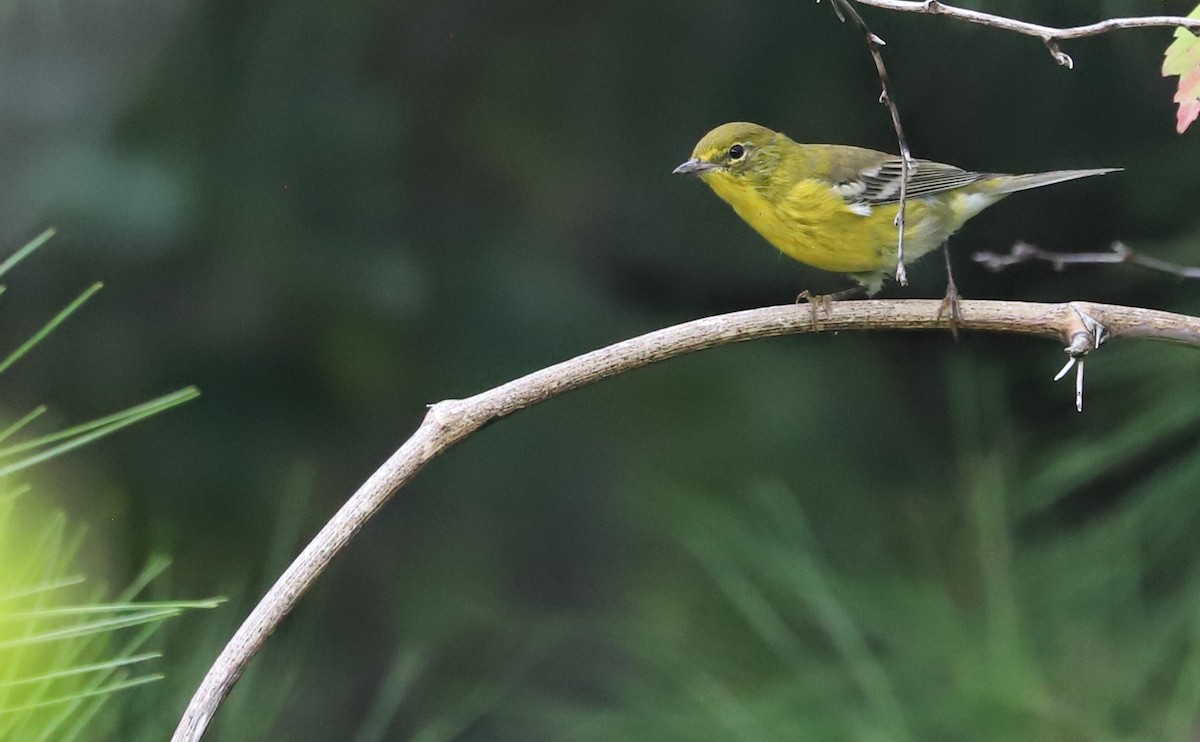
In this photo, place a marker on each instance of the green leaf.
(1183, 59)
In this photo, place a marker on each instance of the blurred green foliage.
(327, 215)
(65, 649)
(68, 653)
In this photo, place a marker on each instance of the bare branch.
(1023, 252)
(1049, 35)
(875, 46)
(1080, 324)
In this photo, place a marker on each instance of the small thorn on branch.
(1059, 55)
(1085, 336)
(837, 6)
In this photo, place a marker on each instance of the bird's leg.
(825, 301)
(951, 300)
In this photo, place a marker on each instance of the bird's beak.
(694, 166)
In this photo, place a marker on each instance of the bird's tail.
(1002, 184)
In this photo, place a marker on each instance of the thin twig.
(875, 45)
(1023, 252)
(451, 421)
(1049, 35)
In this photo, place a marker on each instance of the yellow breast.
(814, 224)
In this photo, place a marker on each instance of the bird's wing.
(876, 181)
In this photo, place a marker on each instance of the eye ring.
(736, 152)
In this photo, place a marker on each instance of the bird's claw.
(951, 308)
(952, 301)
(823, 301)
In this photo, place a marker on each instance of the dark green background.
(326, 215)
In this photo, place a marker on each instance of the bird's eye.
(736, 152)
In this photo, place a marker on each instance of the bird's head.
(735, 152)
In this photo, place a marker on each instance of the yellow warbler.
(834, 206)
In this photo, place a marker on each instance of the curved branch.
(452, 420)
(1050, 35)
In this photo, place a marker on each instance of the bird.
(834, 206)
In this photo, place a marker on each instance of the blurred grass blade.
(91, 627)
(49, 586)
(406, 669)
(30, 417)
(84, 610)
(10, 495)
(84, 669)
(80, 720)
(156, 566)
(101, 691)
(49, 327)
(124, 417)
(24, 252)
(88, 432)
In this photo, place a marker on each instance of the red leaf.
(1188, 98)
(1183, 59)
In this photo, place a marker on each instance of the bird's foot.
(951, 301)
(951, 307)
(825, 301)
